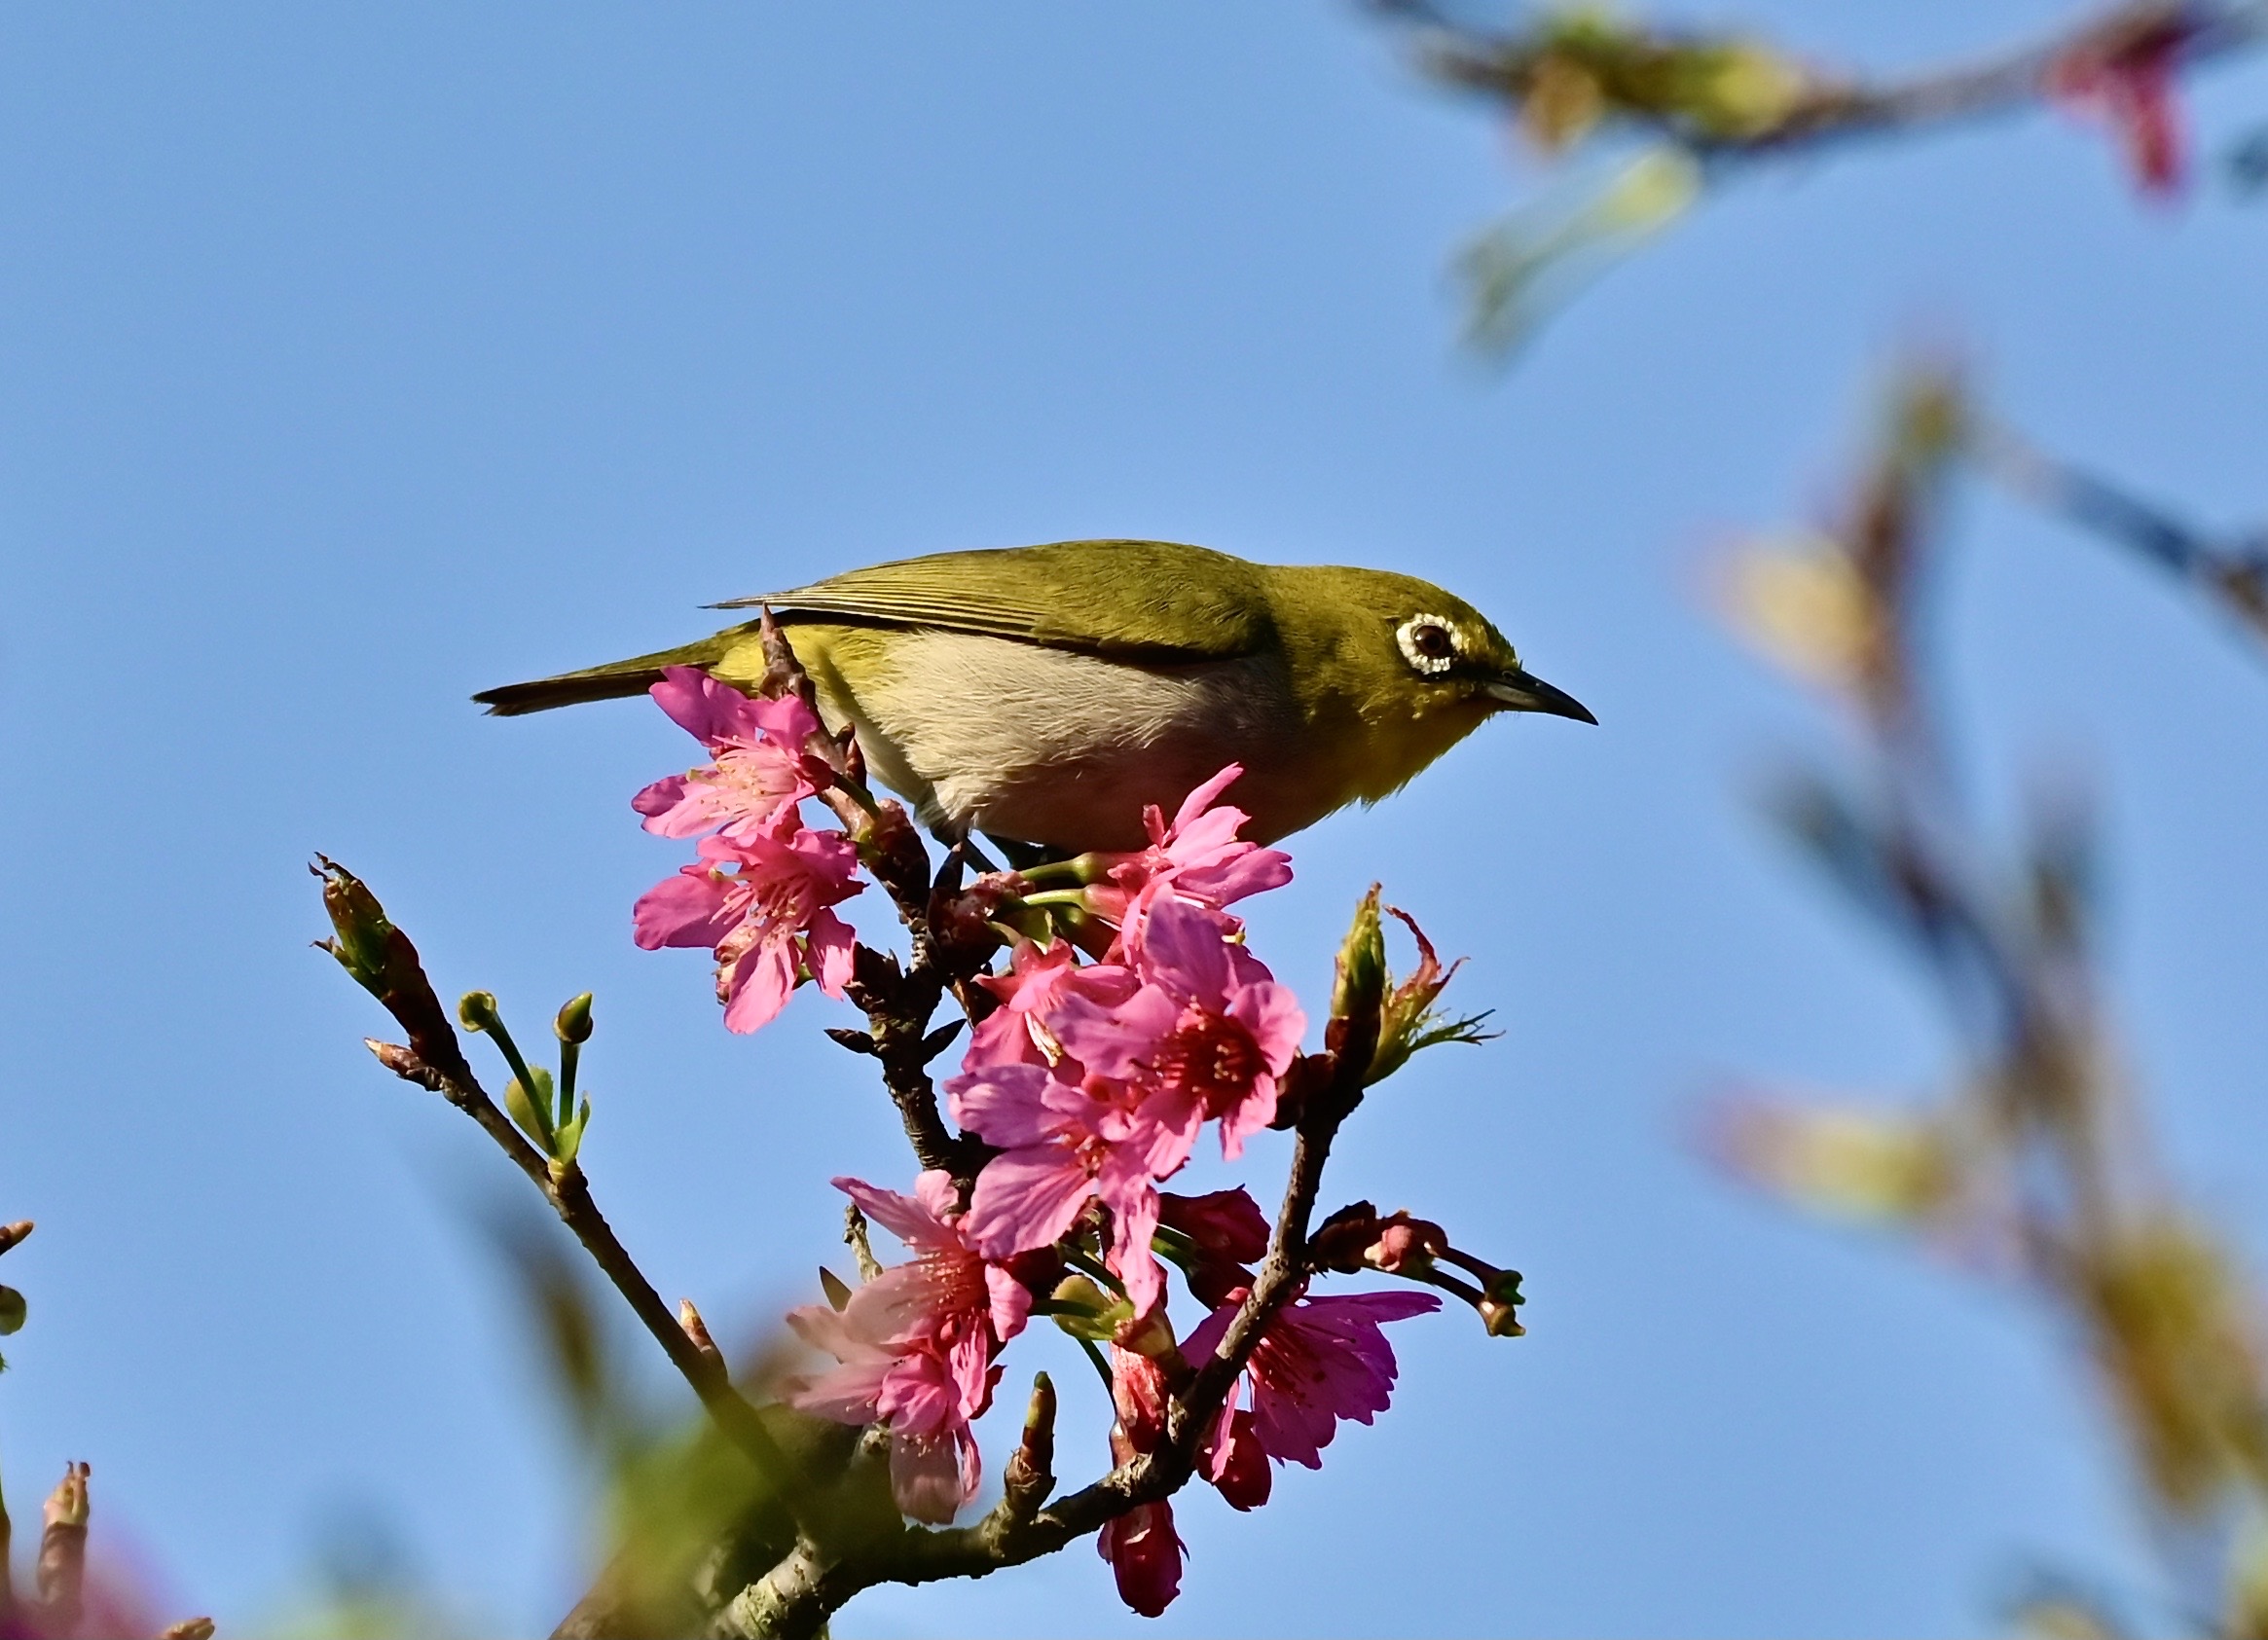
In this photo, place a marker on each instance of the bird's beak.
(1523, 692)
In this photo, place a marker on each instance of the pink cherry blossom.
(1063, 1142)
(1226, 1232)
(1321, 1360)
(1037, 978)
(1208, 1031)
(759, 767)
(1198, 857)
(761, 903)
(916, 1346)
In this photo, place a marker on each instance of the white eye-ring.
(1430, 643)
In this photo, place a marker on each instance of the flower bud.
(363, 937)
(1500, 1307)
(1086, 1311)
(12, 1310)
(696, 1330)
(1226, 1223)
(574, 1024)
(476, 1010)
(67, 1504)
(1030, 1474)
(63, 1549)
(1361, 983)
(1238, 1464)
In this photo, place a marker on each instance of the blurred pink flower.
(915, 1345)
(2135, 91)
(1208, 1033)
(759, 766)
(761, 903)
(1321, 1360)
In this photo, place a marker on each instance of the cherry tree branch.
(794, 1599)
(898, 1000)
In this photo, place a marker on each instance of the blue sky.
(354, 359)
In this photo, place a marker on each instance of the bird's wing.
(1157, 602)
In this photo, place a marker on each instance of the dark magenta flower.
(1321, 1360)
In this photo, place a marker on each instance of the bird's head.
(1404, 667)
(1405, 646)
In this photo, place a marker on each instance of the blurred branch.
(2037, 1149)
(1726, 96)
(1681, 107)
(2233, 572)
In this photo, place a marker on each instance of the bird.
(1045, 695)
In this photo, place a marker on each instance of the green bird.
(1044, 695)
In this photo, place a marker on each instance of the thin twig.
(569, 1196)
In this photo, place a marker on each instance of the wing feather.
(1157, 602)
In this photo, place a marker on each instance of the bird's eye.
(1429, 642)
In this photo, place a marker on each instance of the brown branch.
(898, 1000)
(382, 959)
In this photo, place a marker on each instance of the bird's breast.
(1052, 747)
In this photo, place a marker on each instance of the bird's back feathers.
(1156, 603)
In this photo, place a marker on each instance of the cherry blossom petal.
(1026, 1198)
(910, 1219)
(690, 908)
(1185, 950)
(1005, 1105)
(931, 1476)
(829, 949)
(760, 984)
(1144, 1555)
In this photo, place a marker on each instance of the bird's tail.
(608, 683)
